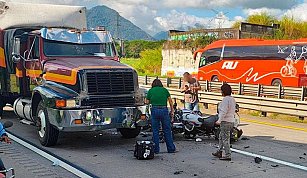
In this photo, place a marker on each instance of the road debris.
(258, 160)
(275, 165)
(178, 172)
(246, 147)
(301, 157)
(199, 140)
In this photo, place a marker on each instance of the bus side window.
(210, 56)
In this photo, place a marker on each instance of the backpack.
(144, 150)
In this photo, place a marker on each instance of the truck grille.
(109, 102)
(117, 82)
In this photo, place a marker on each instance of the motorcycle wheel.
(234, 135)
(189, 135)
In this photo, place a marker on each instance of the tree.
(289, 27)
(134, 48)
(261, 19)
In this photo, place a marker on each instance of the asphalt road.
(108, 155)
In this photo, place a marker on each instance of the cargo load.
(14, 15)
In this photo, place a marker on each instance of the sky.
(154, 16)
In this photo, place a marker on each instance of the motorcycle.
(3, 171)
(191, 124)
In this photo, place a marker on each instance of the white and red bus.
(253, 61)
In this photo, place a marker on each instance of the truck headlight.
(71, 103)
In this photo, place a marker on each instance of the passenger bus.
(254, 61)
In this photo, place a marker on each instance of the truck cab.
(69, 80)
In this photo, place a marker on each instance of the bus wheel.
(215, 78)
(276, 82)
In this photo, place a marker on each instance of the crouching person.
(158, 96)
(227, 109)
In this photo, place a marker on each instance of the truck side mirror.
(16, 50)
(122, 49)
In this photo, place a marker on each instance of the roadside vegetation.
(144, 56)
(149, 63)
(289, 27)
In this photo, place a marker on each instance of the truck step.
(26, 122)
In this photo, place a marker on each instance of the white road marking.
(51, 158)
(297, 166)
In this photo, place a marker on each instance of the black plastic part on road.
(56, 156)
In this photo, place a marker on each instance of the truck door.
(33, 65)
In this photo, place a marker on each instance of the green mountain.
(105, 16)
(163, 35)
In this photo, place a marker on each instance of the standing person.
(158, 96)
(190, 87)
(226, 109)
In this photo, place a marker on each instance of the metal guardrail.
(293, 93)
(263, 104)
(256, 99)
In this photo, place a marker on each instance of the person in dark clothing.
(2, 168)
(4, 138)
(158, 96)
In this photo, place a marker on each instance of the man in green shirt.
(158, 96)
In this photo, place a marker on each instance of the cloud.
(273, 12)
(298, 12)
(276, 4)
(157, 15)
(184, 21)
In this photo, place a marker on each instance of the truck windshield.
(58, 48)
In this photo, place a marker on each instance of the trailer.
(62, 77)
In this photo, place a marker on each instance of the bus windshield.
(58, 48)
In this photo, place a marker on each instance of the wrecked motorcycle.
(192, 124)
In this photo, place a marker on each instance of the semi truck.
(61, 76)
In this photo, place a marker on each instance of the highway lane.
(106, 154)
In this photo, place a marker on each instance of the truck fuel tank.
(22, 108)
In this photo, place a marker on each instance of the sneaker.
(176, 151)
(225, 158)
(217, 154)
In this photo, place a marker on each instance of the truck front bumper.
(97, 119)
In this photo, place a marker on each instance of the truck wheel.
(47, 133)
(130, 133)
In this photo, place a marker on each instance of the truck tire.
(47, 133)
(130, 133)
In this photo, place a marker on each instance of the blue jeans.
(158, 116)
(192, 106)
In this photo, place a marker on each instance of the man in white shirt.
(227, 109)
